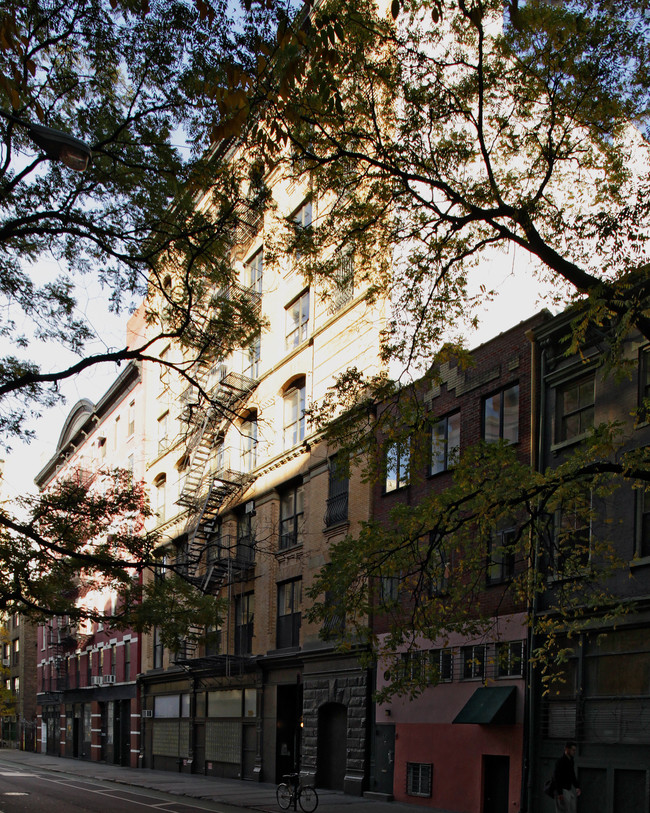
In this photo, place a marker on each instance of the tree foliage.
(82, 551)
(153, 218)
(138, 84)
(436, 136)
(459, 129)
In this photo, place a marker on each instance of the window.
(131, 418)
(116, 432)
(254, 270)
(501, 416)
(245, 534)
(294, 415)
(16, 686)
(252, 358)
(473, 658)
(127, 660)
(249, 444)
(160, 484)
(213, 640)
(16, 652)
(575, 408)
(388, 590)
(572, 534)
(500, 556)
(214, 542)
(163, 372)
(343, 280)
(302, 221)
(413, 666)
(297, 321)
(182, 556)
(337, 493)
(101, 445)
(442, 664)
(289, 616)
(334, 621)
(418, 778)
(163, 428)
(244, 616)
(157, 649)
(510, 659)
(292, 508)
(437, 568)
(397, 465)
(643, 522)
(445, 443)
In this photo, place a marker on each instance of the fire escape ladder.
(214, 475)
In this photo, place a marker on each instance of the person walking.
(565, 781)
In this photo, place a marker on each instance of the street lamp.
(58, 146)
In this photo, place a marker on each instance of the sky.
(25, 460)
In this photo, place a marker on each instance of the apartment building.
(602, 700)
(87, 703)
(248, 500)
(460, 744)
(18, 729)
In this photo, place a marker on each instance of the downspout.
(538, 425)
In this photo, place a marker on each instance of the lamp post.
(58, 146)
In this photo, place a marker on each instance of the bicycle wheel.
(283, 795)
(308, 799)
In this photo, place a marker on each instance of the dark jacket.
(564, 775)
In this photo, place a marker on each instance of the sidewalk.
(258, 796)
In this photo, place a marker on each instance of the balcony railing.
(336, 510)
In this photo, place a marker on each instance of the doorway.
(288, 733)
(496, 783)
(332, 746)
(384, 758)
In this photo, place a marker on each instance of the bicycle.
(293, 791)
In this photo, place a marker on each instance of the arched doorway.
(332, 746)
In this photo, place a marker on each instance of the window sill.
(335, 528)
(641, 561)
(432, 474)
(565, 444)
(289, 550)
(395, 490)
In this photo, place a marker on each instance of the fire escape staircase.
(207, 488)
(62, 641)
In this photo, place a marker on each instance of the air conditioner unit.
(96, 680)
(109, 678)
(147, 712)
(6, 661)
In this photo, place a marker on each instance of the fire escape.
(62, 641)
(214, 475)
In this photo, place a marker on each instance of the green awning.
(490, 704)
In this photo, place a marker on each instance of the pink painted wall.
(456, 753)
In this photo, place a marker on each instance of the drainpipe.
(538, 426)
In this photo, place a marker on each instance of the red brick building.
(460, 745)
(87, 698)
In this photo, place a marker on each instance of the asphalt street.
(41, 783)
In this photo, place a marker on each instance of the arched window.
(160, 484)
(294, 413)
(249, 442)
